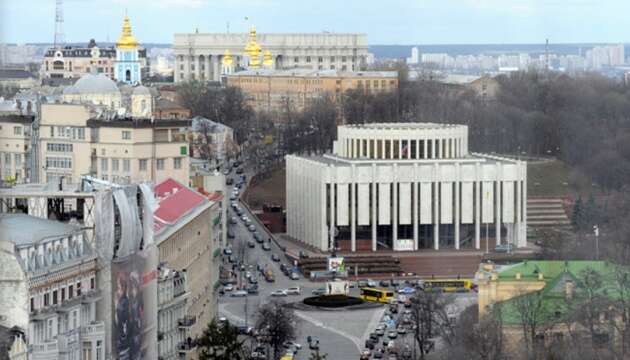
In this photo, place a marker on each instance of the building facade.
(15, 134)
(72, 142)
(127, 66)
(73, 62)
(172, 299)
(273, 90)
(405, 186)
(198, 56)
(61, 275)
(188, 233)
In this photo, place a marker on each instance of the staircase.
(547, 213)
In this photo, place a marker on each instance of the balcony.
(93, 329)
(186, 321)
(185, 347)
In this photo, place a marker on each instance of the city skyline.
(432, 22)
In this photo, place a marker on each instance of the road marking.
(378, 315)
(320, 324)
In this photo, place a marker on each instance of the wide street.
(341, 333)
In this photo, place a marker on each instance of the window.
(78, 288)
(126, 135)
(308, 59)
(52, 131)
(46, 299)
(32, 304)
(296, 59)
(92, 283)
(18, 161)
(114, 164)
(53, 147)
(104, 164)
(142, 164)
(332, 59)
(177, 163)
(343, 59)
(159, 164)
(126, 165)
(55, 295)
(63, 294)
(70, 291)
(17, 130)
(320, 59)
(58, 162)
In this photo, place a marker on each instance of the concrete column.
(457, 205)
(497, 197)
(383, 149)
(417, 154)
(209, 70)
(353, 212)
(216, 72)
(391, 148)
(477, 207)
(395, 212)
(425, 144)
(436, 212)
(332, 210)
(434, 154)
(196, 63)
(374, 208)
(517, 222)
(400, 155)
(415, 205)
(524, 204)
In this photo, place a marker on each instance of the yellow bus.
(448, 285)
(376, 295)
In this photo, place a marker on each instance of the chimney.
(568, 289)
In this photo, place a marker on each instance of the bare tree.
(429, 315)
(480, 339)
(533, 315)
(276, 324)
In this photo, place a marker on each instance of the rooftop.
(22, 229)
(92, 84)
(175, 202)
(403, 126)
(304, 72)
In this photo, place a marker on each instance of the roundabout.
(333, 301)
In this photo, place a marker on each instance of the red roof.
(213, 196)
(175, 201)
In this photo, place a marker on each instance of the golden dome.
(267, 58)
(126, 39)
(227, 58)
(252, 49)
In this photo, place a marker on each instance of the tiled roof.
(175, 202)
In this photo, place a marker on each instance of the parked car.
(275, 257)
(401, 330)
(228, 287)
(392, 334)
(371, 283)
(362, 283)
(503, 248)
(244, 218)
(384, 283)
(266, 247)
(295, 290)
(231, 258)
(279, 293)
(252, 290)
(258, 238)
(233, 220)
(239, 293)
(239, 170)
(379, 331)
(294, 276)
(229, 181)
(251, 244)
(251, 228)
(319, 291)
(252, 280)
(230, 234)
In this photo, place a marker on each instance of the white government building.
(405, 186)
(198, 56)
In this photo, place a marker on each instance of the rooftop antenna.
(60, 38)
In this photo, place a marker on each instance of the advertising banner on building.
(336, 264)
(134, 306)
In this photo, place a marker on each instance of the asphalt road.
(340, 333)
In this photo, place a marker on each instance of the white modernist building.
(405, 186)
(198, 56)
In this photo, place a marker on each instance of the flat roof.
(307, 72)
(22, 229)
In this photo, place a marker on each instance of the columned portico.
(384, 193)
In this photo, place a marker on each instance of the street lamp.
(596, 232)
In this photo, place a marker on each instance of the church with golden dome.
(127, 66)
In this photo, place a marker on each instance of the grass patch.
(271, 189)
(555, 178)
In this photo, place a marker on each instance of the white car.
(294, 290)
(291, 344)
(228, 287)
(239, 293)
(244, 218)
(371, 283)
(279, 293)
(392, 334)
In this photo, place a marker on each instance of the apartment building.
(271, 90)
(188, 232)
(15, 133)
(74, 142)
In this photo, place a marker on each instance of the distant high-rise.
(415, 56)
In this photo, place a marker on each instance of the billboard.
(134, 306)
(336, 264)
(337, 287)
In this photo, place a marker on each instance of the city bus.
(376, 295)
(448, 285)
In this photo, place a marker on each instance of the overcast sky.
(385, 21)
